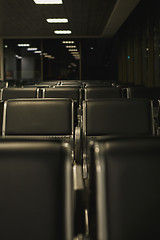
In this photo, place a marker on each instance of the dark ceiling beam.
(120, 13)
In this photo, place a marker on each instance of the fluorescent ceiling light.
(48, 1)
(37, 51)
(70, 46)
(68, 42)
(23, 44)
(72, 50)
(31, 49)
(57, 20)
(62, 32)
(48, 56)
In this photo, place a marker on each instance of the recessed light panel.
(68, 42)
(57, 20)
(23, 44)
(31, 49)
(62, 32)
(70, 46)
(37, 51)
(72, 50)
(48, 1)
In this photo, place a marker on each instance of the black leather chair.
(152, 93)
(13, 93)
(102, 92)
(43, 118)
(115, 117)
(124, 187)
(36, 190)
(63, 92)
(144, 92)
(97, 83)
(70, 83)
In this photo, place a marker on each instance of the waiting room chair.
(124, 187)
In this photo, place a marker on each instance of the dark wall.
(139, 45)
(99, 59)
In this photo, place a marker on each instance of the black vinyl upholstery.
(38, 117)
(36, 191)
(12, 93)
(63, 92)
(102, 92)
(144, 92)
(118, 116)
(126, 190)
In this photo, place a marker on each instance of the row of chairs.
(124, 197)
(36, 184)
(81, 93)
(111, 117)
(57, 117)
(37, 199)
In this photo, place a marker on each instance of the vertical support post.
(41, 61)
(80, 61)
(1, 61)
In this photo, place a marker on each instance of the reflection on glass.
(21, 63)
(59, 63)
(32, 61)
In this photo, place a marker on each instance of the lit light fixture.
(68, 42)
(57, 20)
(48, 56)
(48, 1)
(70, 46)
(62, 31)
(72, 50)
(23, 44)
(37, 51)
(19, 57)
(31, 49)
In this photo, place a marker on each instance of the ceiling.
(87, 18)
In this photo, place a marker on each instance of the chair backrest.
(63, 92)
(41, 117)
(74, 83)
(13, 93)
(126, 200)
(36, 190)
(117, 116)
(144, 92)
(97, 83)
(102, 92)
